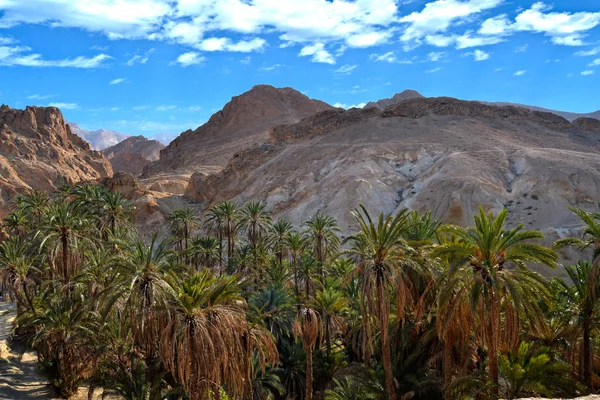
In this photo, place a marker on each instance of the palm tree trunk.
(385, 345)
(328, 340)
(447, 368)
(65, 255)
(309, 374)
(493, 332)
(587, 350)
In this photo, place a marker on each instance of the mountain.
(242, 122)
(439, 154)
(571, 116)
(397, 98)
(164, 137)
(38, 150)
(133, 154)
(98, 139)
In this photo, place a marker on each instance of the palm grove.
(238, 305)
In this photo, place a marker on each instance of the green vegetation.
(238, 305)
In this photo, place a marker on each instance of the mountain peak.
(397, 98)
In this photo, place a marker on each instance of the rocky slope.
(133, 154)
(438, 154)
(99, 139)
(571, 116)
(397, 98)
(38, 150)
(242, 122)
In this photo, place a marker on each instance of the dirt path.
(20, 376)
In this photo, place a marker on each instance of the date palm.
(322, 233)
(16, 223)
(183, 221)
(586, 278)
(255, 221)
(379, 256)
(207, 341)
(34, 204)
(278, 238)
(331, 306)
(116, 212)
(307, 328)
(205, 251)
(16, 272)
(296, 244)
(502, 289)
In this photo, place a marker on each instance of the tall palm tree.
(205, 250)
(34, 204)
(225, 218)
(183, 221)
(379, 256)
(502, 285)
(116, 211)
(296, 245)
(586, 278)
(322, 232)
(16, 223)
(215, 223)
(307, 327)
(255, 221)
(16, 272)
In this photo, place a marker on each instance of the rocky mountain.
(99, 139)
(242, 123)
(439, 154)
(38, 150)
(397, 98)
(133, 154)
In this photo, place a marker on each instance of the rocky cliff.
(242, 123)
(397, 98)
(133, 154)
(439, 154)
(38, 150)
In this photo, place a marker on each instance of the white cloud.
(6, 40)
(370, 39)
(40, 97)
(520, 73)
(140, 108)
(114, 109)
(246, 60)
(225, 44)
(431, 71)
(567, 29)
(346, 106)
(594, 63)
(345, 70)
(587, 72)
(439, 40)
(137, 59)
(22, 56)
(117, 81)
(318, 53)
(497, 69)
(389, 57)
(467, 40)
(271, 68)
(100, 48)
(438, 16)
(64, 106)
(189, 58)
(436, 56)
(587, 53)
(165, 108)
(479, 55)
(522, 49)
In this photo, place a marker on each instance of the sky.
(150, 66)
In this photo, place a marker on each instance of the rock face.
(242, 123)
(438, 154)
(571, 116)
(133, 154)
(39, 151)
(397, 98)
(99, 139)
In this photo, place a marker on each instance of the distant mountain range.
(99, 139)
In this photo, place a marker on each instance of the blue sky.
(149, 66)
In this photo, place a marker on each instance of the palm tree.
(16, 223)
(255, 221)
(205, 250)
(586, 278)
(379, 258)
(63, 228)
(279, 237)
(34, 204)
(224, 219)
(183, 221)
(322, 233)
(274, 308)
(207, 341)
(307, 327)
(497, 259)
(117, 212)
(582, 295)
(295, 244)
(331, 306)
(16, 270)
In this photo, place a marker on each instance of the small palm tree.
(278, 238)
(116, 211)
(16, 272)
(205, 251)
(255, 221)
(307, 327)
(331, 306)
(183, 221)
